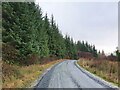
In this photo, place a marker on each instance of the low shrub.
(106, 69)
(9, 54)
(32, 59)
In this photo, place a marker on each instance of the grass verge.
(105, 69)
(22, 76)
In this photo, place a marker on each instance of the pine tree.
(94, 52)
(31, 33)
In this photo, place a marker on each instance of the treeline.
(118, 54)
(29, 37)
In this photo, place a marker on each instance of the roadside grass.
(106, 69)
(22, 76)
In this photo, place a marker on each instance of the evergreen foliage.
(30, 33)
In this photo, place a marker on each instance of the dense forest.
(29, 37)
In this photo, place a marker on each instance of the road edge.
(95, 77)
(35, 83)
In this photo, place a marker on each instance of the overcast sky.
(95, 22)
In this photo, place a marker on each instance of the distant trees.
(71, 50)
(31, 34)
(118, 54)
(111, 57)
(85, 47)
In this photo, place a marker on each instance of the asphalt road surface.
(67, 75)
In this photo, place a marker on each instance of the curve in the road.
(67, 75)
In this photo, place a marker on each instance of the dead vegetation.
(15, 76)
(106, 69)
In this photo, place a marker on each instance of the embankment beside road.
(15, 76)
(105, 69)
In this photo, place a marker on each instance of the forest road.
(67, 75)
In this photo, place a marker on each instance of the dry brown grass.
(106, 69)
(22, 76)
